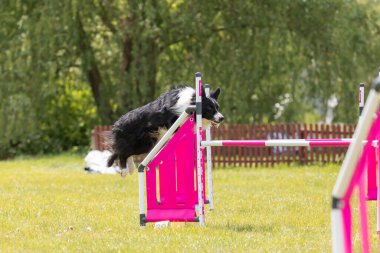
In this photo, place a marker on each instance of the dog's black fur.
(137, 131)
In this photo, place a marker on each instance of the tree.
(120, 54)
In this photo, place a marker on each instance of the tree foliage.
(67, 65)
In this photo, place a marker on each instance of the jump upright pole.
(198, 111)
(209, 158)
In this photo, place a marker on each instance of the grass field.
(49, 204)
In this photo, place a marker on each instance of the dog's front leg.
(130, 165)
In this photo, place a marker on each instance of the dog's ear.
(216, 93)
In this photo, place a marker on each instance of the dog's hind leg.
(111, 159)
(122, 162)
(130, 165)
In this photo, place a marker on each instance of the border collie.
(139, 130)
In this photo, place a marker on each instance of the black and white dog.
(139, 130)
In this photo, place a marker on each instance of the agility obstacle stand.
(172, 176)
(175, 171)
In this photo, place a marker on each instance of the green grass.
(49, 204)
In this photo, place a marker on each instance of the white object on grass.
(97, 163)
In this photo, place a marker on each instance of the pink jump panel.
(171, 180)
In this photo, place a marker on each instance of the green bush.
(64, 121)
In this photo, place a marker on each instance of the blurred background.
(66, 66)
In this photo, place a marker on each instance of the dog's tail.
(111, 159)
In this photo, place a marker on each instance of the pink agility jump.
(172, 176)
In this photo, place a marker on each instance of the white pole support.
(198, 104)
(142, 198)
(209, 158)
(337, 231)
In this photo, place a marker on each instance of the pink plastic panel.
(171, 178)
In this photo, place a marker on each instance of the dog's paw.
(124, 172)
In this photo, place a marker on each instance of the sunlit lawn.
(49, 204)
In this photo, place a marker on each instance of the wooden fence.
(265, 156)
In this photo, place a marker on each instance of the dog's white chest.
(160, 133)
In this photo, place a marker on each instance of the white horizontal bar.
(287, 143)
(211, 143)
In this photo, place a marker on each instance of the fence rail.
(264, 156)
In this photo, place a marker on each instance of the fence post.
(94, 139)
(303, 151)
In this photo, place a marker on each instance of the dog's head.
(210, 108)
